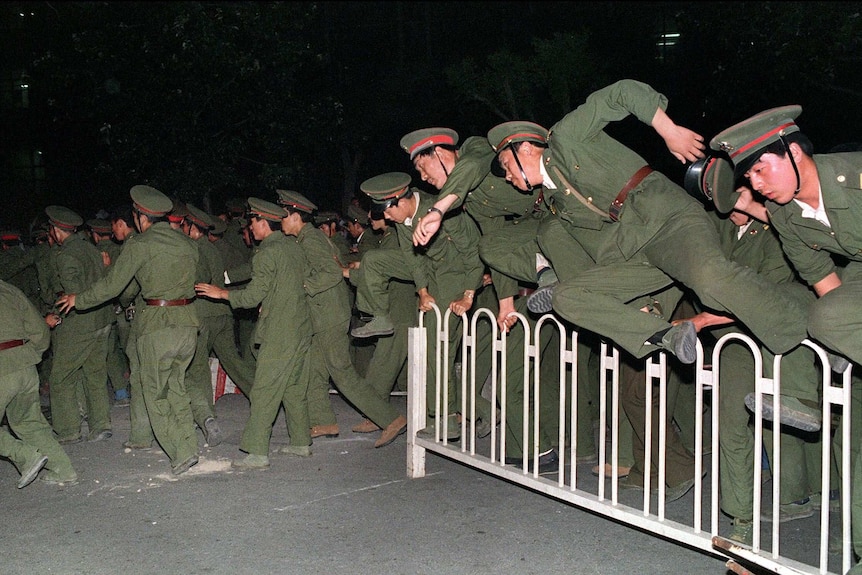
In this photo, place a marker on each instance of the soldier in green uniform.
(282, 337)
(23, 338)
(508, 218)
(165, 265)
(118, 365)
(387, 364)
(446, 272)
(756, 245)
(361, 240)
(641, 231)
(327, 295)
(140, 431)
(81, 340)
(328, 223)
(813, 202)
(508, 221)
(214, 324)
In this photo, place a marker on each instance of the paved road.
(349, 509)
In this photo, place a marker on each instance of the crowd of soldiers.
(524, 221)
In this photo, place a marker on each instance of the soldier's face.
(773, 177)
(431, 168)
(512, 167)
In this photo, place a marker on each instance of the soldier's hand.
(53, 320)
(425, 301)
(426, 228)
(65, 303)
(685, 145)
(106, 259)
(211, 291)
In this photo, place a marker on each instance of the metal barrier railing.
(580, 489)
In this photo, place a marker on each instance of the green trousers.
(117, 363)
(278, 381)
(80, 360)
(685, 249)
(330, 357)
(140, 429)
(165, 355)
(19, 401)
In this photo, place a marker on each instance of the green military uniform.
(447, 266)
(389, 359)
(23, 338)
(118, 363)
(811, 245)
(660, 233)
(282, 338)
(327, 295)
(758, 248)
(140, 429)
(81, 341)
(508, 218)
(164, 263)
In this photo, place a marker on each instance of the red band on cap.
(433, 140)
(296, 206)
(175, 219)
(394, 195)
(10, 237)
(144, 210)
(508, 139)
(754, 144)
(65, 227)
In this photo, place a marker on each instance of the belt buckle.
(614, 210)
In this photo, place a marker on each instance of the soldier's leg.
(26, 420)
(117, 364)
(565, 254)
(378, 267)
(165, 355)
(736, 450)
(199, 377)
(687, 248)
(336, 353)
(319, 404)
(239, 369)
(390, 356)
(834, 318)
(140, 429)
(66, 377)
(94, 350)
(511, 249)
(295, 410)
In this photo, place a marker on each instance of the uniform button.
(841, 179)
(590, 199)
(832, 234)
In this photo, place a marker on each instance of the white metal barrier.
(697, 526)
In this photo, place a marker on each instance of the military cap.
(507, 133)
(235, 206)
(219, 226)
(744, 142)
(325, 217)
(99, 226)
(63, 218)
(199, 217)
(10, 236)
(295, 201)
(179, 211)
(386, 189)
(266, 210)
(713, 177)
(150, 201)
(357, 214)
(419, 140)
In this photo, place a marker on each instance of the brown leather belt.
(12, 343)
(617, 205)
(168, 302)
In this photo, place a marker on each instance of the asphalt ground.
(349, 509)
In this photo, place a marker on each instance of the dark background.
(212, 100)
